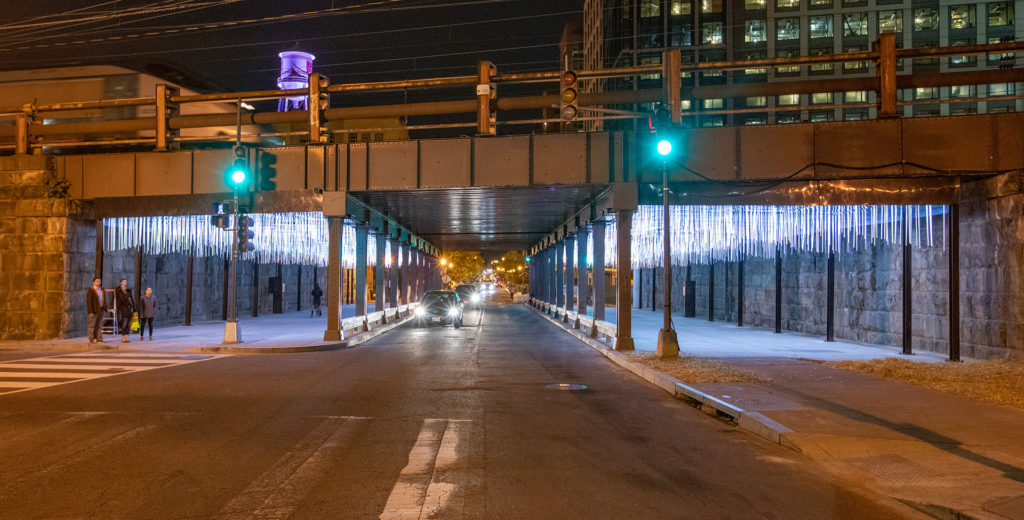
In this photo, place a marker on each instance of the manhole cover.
(566, 386)
(194, 357)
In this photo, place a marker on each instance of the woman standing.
(125, 305)
(147, 313)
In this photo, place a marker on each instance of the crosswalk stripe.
(29, 374)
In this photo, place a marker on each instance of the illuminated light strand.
(702, 234)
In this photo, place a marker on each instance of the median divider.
(588, 331)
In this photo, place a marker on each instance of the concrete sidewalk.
(943, 454)
(265, 334)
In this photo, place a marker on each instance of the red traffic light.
(568, 78)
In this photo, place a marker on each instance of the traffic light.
(245, 233)
(569, 97)
(220, 218)
(666, 134)
(237, 176)
(268, 172)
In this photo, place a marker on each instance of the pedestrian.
(96, 306)
(124, 304)
(316, 293)
(146, 314)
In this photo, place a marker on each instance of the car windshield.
(465, 289)
(434, 297)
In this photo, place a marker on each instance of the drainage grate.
(566, 386)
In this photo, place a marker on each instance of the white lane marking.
(277, 493)
(441, 493)
(122, 355)
(23, 384)
(406, 498)
(76, 366)
(80, 368)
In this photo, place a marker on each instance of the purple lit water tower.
(295, 69)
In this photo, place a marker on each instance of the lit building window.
(680, 8)
(855, 65)
(821, 67)
(926, 93)
(756, 120)
(712, 33)
(755, 5)
(1000, 13)
(854, 116)
(1000, 89)
(713, 121)
(711, 104)
(650, 8)
(859, 96)
(993, 57)
(755, 55)
(926, 19)
(787, 4)
(787, 119)
(961, 16)
(686, 104)
(786, 100)
(961, 91)
(756, 31)
(821, 26)
(821, 4)
(821, 98)
(855, 24)
(962, 61)
(787, 29)
(757, 101)
(710, 6)
(821, 117)
(890, 21)
(787, 70)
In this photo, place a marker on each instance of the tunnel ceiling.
(489, 220)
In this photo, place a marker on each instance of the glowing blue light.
(238, 176)
(664, 147)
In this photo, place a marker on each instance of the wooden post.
(885, 70)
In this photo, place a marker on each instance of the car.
(441, 307)
(469, 295)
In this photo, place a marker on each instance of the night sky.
(234, 43)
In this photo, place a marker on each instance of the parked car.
(469, 295)
(441, 307)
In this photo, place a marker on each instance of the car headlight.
(453, 312)
(475, 298)
(420, 311)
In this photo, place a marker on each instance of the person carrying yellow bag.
(124, 304)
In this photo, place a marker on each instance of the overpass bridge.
(540, 193)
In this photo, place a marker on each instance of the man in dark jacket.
(316, 293)
(96, 307)
(125, 306)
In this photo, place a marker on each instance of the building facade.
(619, 33)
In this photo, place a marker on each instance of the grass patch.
(693, 369)
(993, 381)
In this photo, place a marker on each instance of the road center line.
(441, 495)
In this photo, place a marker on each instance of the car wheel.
(457, 323)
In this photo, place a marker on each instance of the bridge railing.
(163, 130)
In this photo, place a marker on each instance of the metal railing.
(28, 133)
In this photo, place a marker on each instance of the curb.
(355, 340)
(753, 422)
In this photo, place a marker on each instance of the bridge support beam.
(379, 273)
(599, 272)
(570, 276)
(393, 273)
(624, 280)
(335, 225)
(582, 283)
(362, 236)
(954, 282)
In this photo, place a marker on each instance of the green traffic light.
(664, 147)
(238, 176)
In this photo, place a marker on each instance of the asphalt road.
(419, 423)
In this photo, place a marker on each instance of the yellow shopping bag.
(135, 322)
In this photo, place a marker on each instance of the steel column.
(624, 299)
(393, 273)
(188, 285)
(570, 275)
(908, 281)
(560, 273)
(778, 290)
(739, 293)
(830, 305)
(599, 270)
(335, 225)
(362, 236)
(379, 273)
(711, 291)
(98, 273)
(581, 267)
(954, 282)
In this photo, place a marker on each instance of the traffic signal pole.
(232, 332)
(668, 343)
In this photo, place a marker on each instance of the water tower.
(295, 69)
